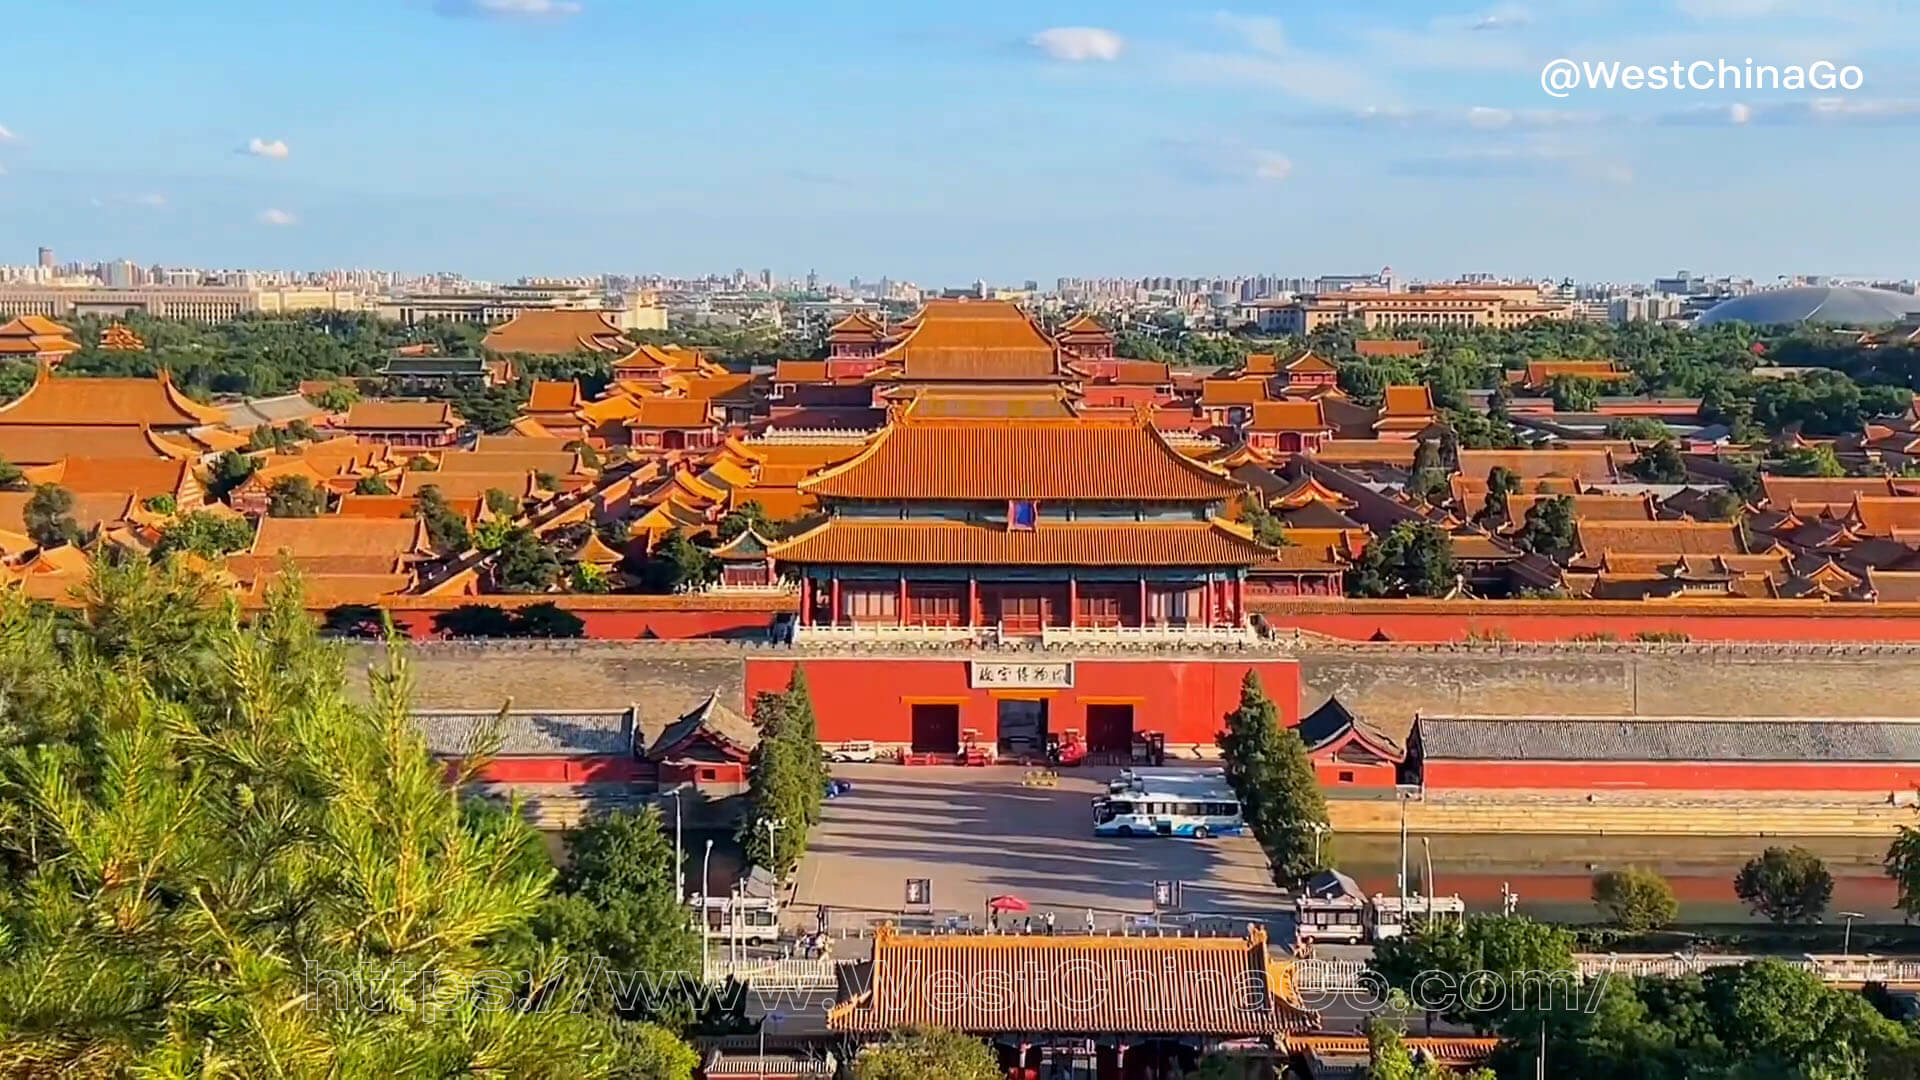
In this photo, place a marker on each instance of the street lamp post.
(1846, 938)
(706, 869)
(679, 863)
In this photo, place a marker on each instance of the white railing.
(778, 588)
(1148, 635)
(792, 974)
(938, 635)
(1344, 976)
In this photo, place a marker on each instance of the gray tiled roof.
(1563, 738)
(267, 411)
(530, 734)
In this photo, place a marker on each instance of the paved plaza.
(976, 833)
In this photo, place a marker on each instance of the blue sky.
(944, 142)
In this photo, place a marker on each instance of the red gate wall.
(872, 697)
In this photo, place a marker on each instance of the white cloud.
(6, 135)
(1079, 43)
(151, 199)
(1271, 167)
(276, 217)
(1504, 17)
(269, 148)
(1738, 113)
(531, 9)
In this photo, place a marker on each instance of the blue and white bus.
(1198, 806)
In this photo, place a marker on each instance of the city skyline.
(508, 138)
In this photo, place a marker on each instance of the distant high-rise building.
(813, 281)
(46, 258)
(120, 274)
(766, 280)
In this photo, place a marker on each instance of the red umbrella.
(1006, 903)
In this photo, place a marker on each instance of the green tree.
(926, 1054)
(786, 778)
(1531, 960)
(589, 456)
(589, 578)
(645, 1051)
(1501, 482)
(358, 621)
(1266, 527)
(547, 620)
(163, 503)
(502, 504)
(372, 484)
(1817, 460)
(1415, 558)
(1268, 768)
(205, 835)
(1660, 463)
(523, 563)
(295, 497)
(11, 478)
(205, 533)
(1637, 428)
(48, 516)
(446, 528)
(620, 899)
(1573, 393)
(422, 463)
(1429, 475)
(337, 398)
(677, 563)
(1635, 900)
(1903, 866)
(229, 471)
(474, 620)
(748, 515)
(1549, 529)
(1787, 885)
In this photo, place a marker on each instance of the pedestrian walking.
(1049, 924)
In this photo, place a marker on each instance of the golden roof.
(83, 401)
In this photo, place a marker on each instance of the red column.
(833, 617)
(806, 600)
(1073, 600)
(1143, 599)
(1206, 609)
(973, 600)
(1240, 599)
(903, 599)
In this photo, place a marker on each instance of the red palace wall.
(872, 697)
(1565, 620)
(1699, 776)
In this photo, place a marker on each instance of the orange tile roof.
(1233, 391)
(514, 443)
(1589, 466)
(1309, 362)
(553, 396)
(474, 485)
(1588, 507)
(1084, 325)
(34, 335)
(613, 407)
(145, 477)
(800, 371)
(712, 387)
(80, 401)
(672, 413)
(1261, 363)
(1449, 1049)
(1020, 459)
(858, 325)
(934, 543)
(1408, 401)
(1288, 414)
(1781, 491)
(557, 462)
(1141, 373)
(1297, 557)
(42, 444)
(401, 416)
(1887, 514)
(322, 590)
(356, 505)
(974, 339)
(1367, 451)
(556, 333)
(1044, 402)
(1660, 537)
(1211, 986)
(334, 536)
(1541, 372)
(90, 509)
(808, 455)
(777, 503)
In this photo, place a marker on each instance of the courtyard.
(977, 833)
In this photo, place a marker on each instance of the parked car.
(860, 750)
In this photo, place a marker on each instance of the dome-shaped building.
(1830, 305)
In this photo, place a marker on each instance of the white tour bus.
(1185, 803)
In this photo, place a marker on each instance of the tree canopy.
(1280, 798)
(786, 777)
